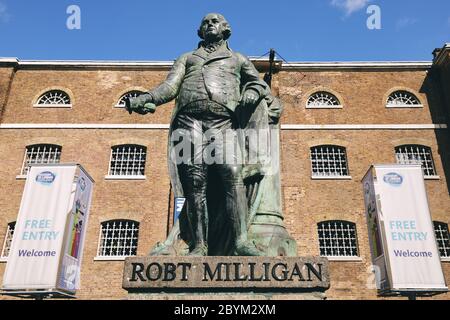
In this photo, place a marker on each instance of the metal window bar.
(442, 239)
(416, 154)
(118, 238)
(328, 161)
(8, 239)
(402, 98)
(323, 99)
(54, 97)
(337, 238)
(43, 153)
(127, 160)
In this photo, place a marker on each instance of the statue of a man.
(211, 84)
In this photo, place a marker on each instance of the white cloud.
(4, 15)
(350, 6)
(405, 22)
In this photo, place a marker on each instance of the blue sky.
(299, 30)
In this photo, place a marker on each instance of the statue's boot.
(199, 251)
(248, 248)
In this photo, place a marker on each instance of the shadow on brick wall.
(433, 88)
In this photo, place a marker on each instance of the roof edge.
(258, 61)
(358, 65)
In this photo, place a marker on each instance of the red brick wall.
(305, 201)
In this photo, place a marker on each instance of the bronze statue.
(218, 92)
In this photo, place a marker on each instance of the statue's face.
(212, 27)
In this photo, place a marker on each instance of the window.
(8, 239)
(118, 238)
(40, 153)
(127, 160)
(323, 99)
(54, 98)
(442, 238)
(337, 239)
(416, 154)
(130, 94)
(402, 99)
(329, 161)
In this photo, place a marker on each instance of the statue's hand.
(142, 104)
(250, 98)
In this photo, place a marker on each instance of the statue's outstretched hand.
(142, 104)
(250, 98)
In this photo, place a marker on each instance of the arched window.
(130, 94)
(323, 99)
(442, 238)
(54, 98)
(127, 160)
(118, 238)
(337, 238)
(402, 99)
(329, 161)
(8, 239)
(416, 154)
(40, 153)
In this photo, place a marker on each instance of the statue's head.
(214, 27)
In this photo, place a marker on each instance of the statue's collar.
(221, 51)
(215, 46)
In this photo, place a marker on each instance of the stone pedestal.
(226, 278)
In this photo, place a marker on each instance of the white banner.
(35, 252)
(411, 253)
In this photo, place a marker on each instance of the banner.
(69, 278)
(52, 217)
(374, 231)
(406, 230)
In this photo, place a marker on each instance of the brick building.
(350, 115)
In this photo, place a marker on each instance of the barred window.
(337, 239)
(416, 154)
(442, 238)
(8, 239)
(329, 161)
(54, 98)
(403, 99)
(118, 238)
(40, 153)
(130, 94)
(323, 99)
(128, 160)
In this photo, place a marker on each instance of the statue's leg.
(193, 177)
(236, 208)
(194, 180)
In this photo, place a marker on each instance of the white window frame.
(53, 105)
(315, 176)
(412, 95)
(7, 241)
(325, 106)
(58, 150)
(110, 176)
(332, 239)
(101, 256)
